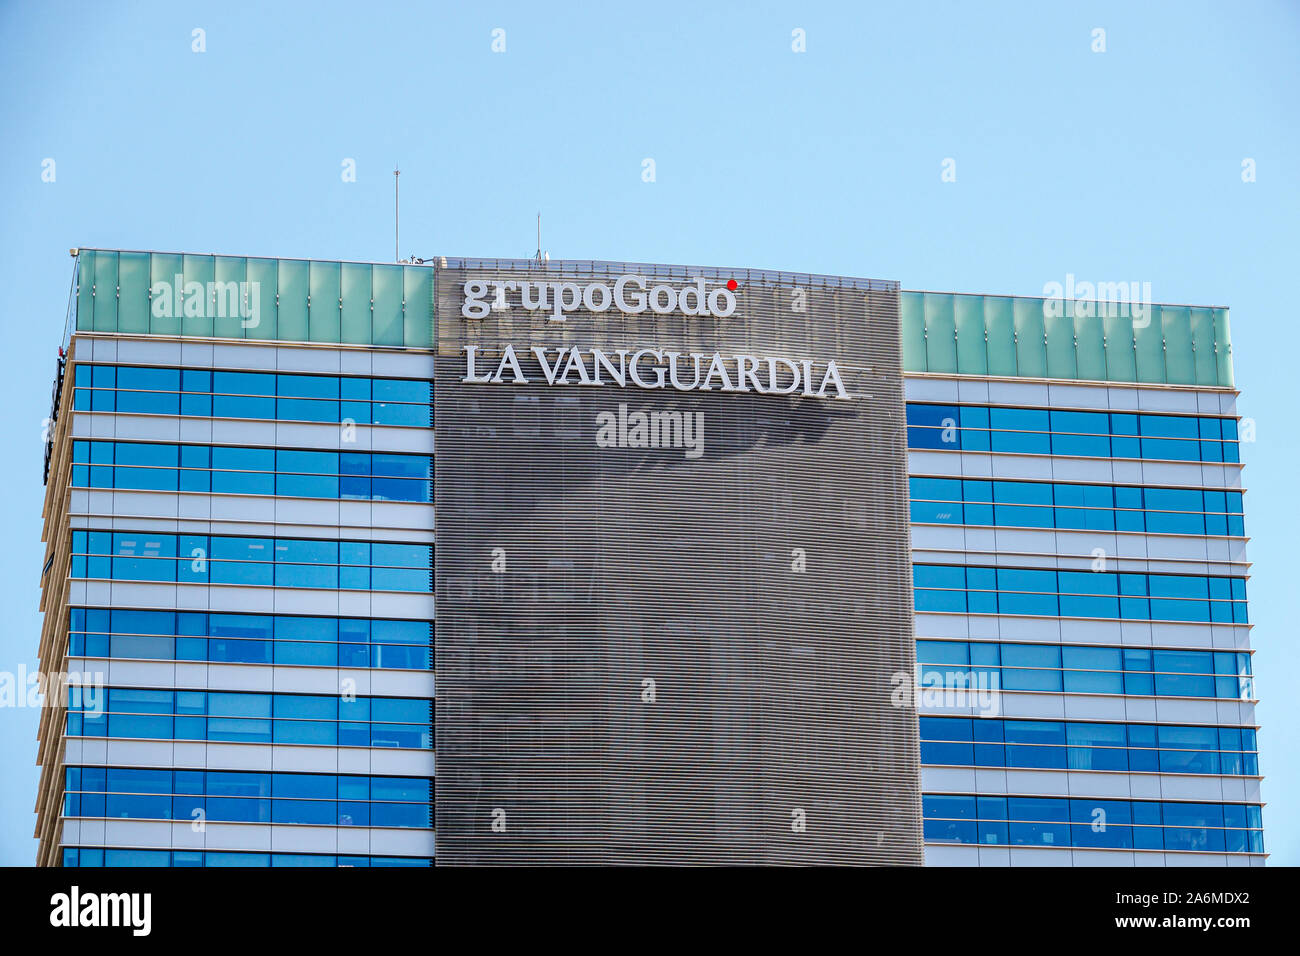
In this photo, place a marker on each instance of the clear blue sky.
(1122, 165)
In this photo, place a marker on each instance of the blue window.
(932, 426)
(307, 386)
(401, 390)
(260, 471)
(251, 718)
(1019, 419)
(241, 406)
(939, 576)
(301, 397)
(1081, 594)
(247, 638)
(244, 383)
(1084, 423)
(1077, 507)
(241, 796)
(1080, 433)
(1168, 426)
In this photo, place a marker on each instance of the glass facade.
(1080, 587)
(98, 856)
(243, 797)
(264, 396)
(1076, 745)
(232, 470)
(1085, 669)
(1042, 431)
(256, 562)
(988, 335)
(1132, 597)
(265, 649)
(129, 634)
(259, 669)
(1093, 824)
(238, 297)
(1076, 507)
(252, 718)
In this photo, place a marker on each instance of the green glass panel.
(1202, 321)
(1000, 320)
(293, 284)
(1031, 349)
(355, 319)
(1121, 363)
(1180, 360)
(199, 301)
(1150, 339)
(417, 308)
(911, 310)
(133, 301)
(1223, 347)
(968, 317)
(323, 315)
(106, 292)
(263, 282)
(85, 283)
(1091, 351)
(133, 298)
(940, 329)
(166, 283)
(387, 286)
(227, 300)
(1060, 342)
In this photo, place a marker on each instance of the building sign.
(655, 368)
(628, 294)
(649, 368)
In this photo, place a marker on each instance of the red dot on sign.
(732, 284)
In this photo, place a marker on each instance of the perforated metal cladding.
(771, 698)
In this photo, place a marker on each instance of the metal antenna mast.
(397, 216)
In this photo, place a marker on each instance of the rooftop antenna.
(397, 215)
(542, 257)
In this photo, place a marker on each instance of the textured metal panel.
(772, 686)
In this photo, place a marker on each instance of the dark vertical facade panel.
(772, 686)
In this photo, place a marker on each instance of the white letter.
(672, 371)
(475, 307)
(469, 367)
(508, 358)
(639, 299)
(548, 370)
(833, 375)
(589, 297)
(575, 358)
(619, 375)
(772, 386)
(716, 367)
(699, 299)
(715, 299)
(636, 374)
(560, 304)
(745, 369)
